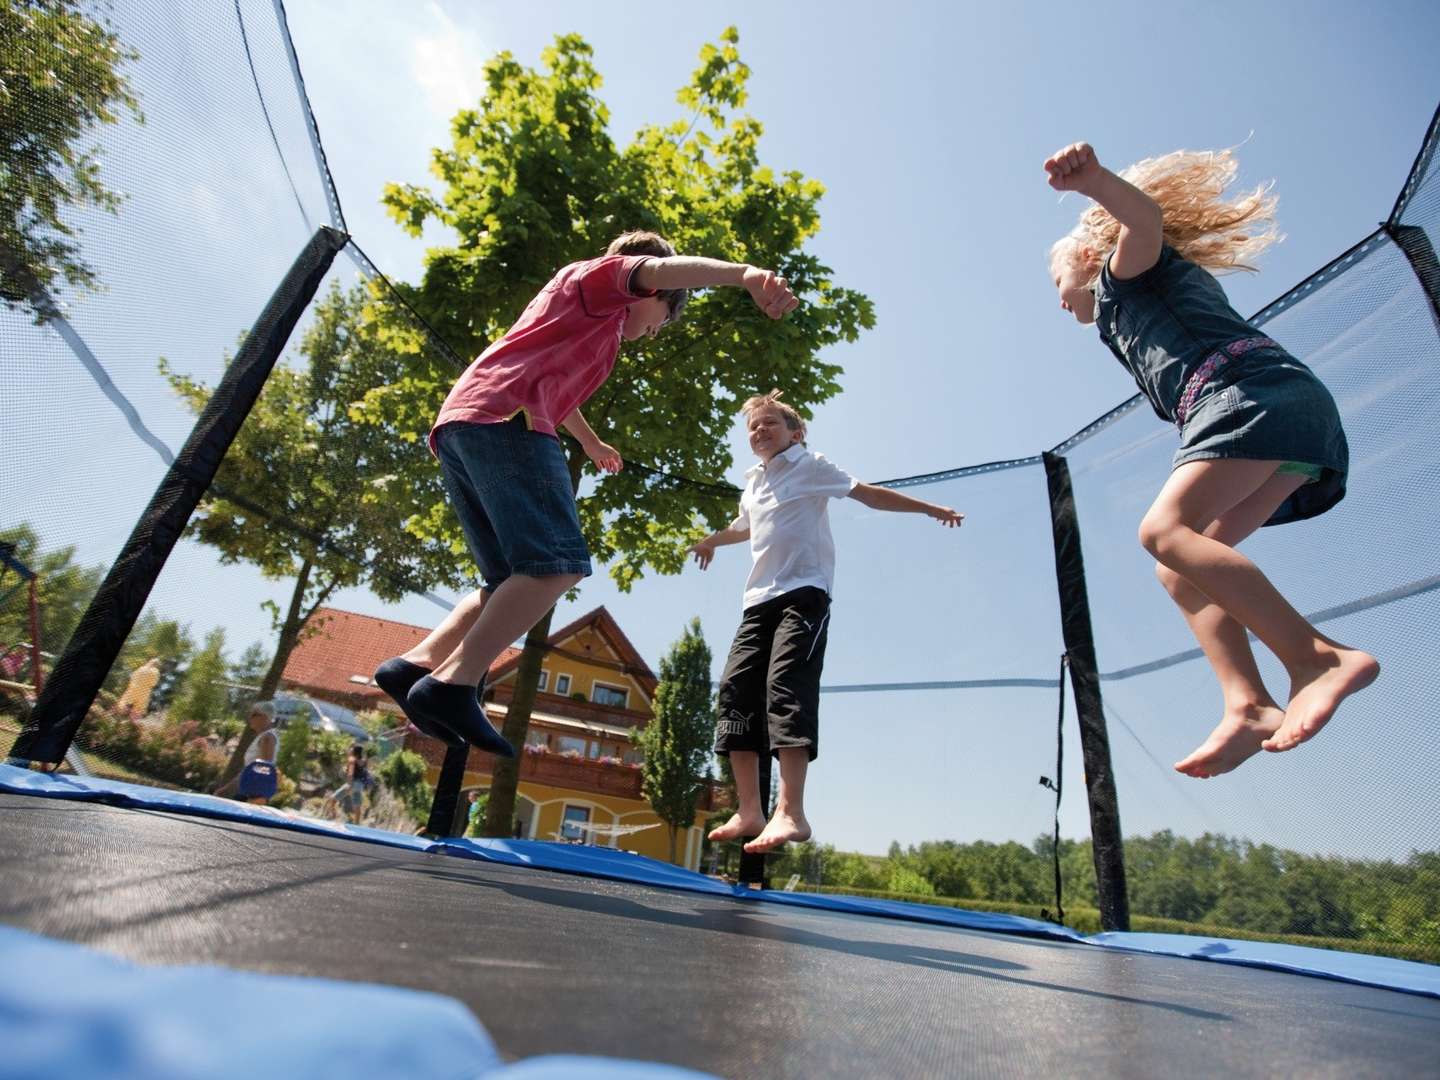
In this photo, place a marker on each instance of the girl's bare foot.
(1316, 693)
(782, 829)
(1238, 737)
(739, 825)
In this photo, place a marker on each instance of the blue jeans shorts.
(510, 488)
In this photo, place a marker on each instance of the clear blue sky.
(927, 123)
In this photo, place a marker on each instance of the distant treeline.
(1213, 880)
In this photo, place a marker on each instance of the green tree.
(63, 590)
(246, 674)
(403, 774)
(333, 517)
(202, 697)
(676, 743)
(532, 181)
(60, 79)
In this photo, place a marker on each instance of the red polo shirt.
(556, 355)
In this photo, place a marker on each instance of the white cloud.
(448, 63)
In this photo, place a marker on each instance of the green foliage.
(294, 753)
(323, 475)
(533, 181)
(676, 743)
(202, 697)
(60, 79)
(1213, 884)
(63, 590)
(172, 754)
(403, 774)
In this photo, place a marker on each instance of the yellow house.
(580, 768)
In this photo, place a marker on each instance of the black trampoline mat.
(554, 963)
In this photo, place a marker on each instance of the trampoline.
(153, 933)
(556, 963)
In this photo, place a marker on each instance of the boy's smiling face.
(768, 433)
(645, 317)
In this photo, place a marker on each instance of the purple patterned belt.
(1197, 381)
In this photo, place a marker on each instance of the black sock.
(396, 676)
(455, 707)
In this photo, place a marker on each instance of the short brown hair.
(641, 242)
(793, 420)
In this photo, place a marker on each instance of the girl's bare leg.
(1322, 671)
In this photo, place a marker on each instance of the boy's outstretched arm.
(879, 498)
(770, 292)
(1142, 231)
(604, 455)
(704, 550)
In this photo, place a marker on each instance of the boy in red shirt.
(505, 473)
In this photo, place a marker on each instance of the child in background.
(505, 472)
(769, 698)
(1261, 441)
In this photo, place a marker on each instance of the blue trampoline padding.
(1363, 968)
(71, 1011)
(1383, 972)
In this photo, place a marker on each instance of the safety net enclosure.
(192, 345)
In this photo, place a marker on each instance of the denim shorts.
(1268, 406)
(510, 488)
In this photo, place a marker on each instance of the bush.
(403, 774)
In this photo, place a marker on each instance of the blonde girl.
(1261, 441)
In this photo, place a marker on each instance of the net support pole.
(98, 638)
(1415, 243)
(444, 817)
(1105, 837)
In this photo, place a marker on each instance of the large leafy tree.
(533, 180)
(60, 79)
(677, 741)
(309, 494)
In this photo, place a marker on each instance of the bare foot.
(1317, 693)
(1238, 737)
(780, 831)
(738, 826)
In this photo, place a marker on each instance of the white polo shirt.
(785, 507)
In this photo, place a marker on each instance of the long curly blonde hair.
(1219, 234)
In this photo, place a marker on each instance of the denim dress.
(1231, 392)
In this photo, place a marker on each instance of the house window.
(544, 679)
(562, 684)
(570, 830)
(613, 696)
(569, 743)
(536, 738)
(634, 757)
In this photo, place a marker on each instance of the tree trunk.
(500, 810)
(289, 632)
(674, 834)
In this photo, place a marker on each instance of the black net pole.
(1413, 241)
(101, 633)
(1109, 852)
(445, 808)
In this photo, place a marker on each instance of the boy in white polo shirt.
(770, 692)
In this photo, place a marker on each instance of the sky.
(927, 126)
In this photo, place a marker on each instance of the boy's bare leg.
(748, 819)
(446, 638)
(788, 822)
(511, 611)
(1322, 671)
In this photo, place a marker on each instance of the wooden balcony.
(571, 773)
